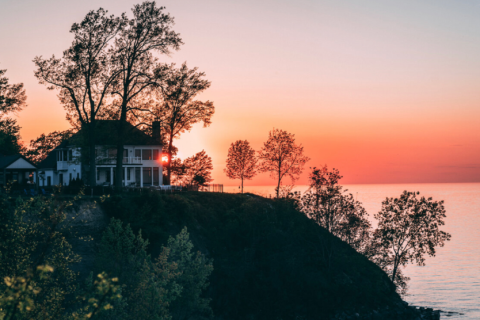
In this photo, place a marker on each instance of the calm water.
(450, 281)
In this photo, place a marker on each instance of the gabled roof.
(6, 161)
(50, 162)
(106, 134)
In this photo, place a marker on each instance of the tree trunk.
(242, 185)
(92, 159)
(120, 144)
(169, 163)
(395, 266)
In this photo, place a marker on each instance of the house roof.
(6, 161)
(106, 134)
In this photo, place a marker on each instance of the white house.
(142, 165)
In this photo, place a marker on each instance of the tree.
(241, 161)
(409, 229)
(10, 137)
(12, 96)
(281, 157)
(176, 107)
(84, 75)
(194, 270)
(339, 213)
(12, 100)
(44, 144)
(147, 32)
(195, 170)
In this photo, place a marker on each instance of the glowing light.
(165, 158)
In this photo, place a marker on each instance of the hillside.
(270, 261)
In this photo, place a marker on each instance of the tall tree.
(84, 75)
(338, 212)
(176, 107)
(12, 100)
(282, 157)
(241, 161)
(149, 31)
(409, 229)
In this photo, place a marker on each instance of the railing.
(126, 160)
(62, 165)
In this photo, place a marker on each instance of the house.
(16, 168)
(142, 165)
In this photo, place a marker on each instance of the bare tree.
(281, 156)
(83, 75)
(241, 161)
(149, 31)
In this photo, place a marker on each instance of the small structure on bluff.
(142, 165)
(16, 168)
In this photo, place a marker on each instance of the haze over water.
(450, 281)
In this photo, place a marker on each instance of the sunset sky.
(385, 91)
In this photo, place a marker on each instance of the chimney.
(156, 132)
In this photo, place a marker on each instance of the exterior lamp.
(165, 158)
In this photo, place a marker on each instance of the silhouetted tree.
(408, 230)
(147, 32)
(338, 212)
(195, 170)
(281, 156)
(175, 105)
(241, 161)
(84, 75)
(44, 144)
(12, 100)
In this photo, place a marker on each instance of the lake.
(450, 281)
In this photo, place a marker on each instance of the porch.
(133, 176)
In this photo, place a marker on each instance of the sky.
(385, 91)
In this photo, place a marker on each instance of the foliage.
(193, 171)
(408, 230)
(10, 137)
(194, 270)
(339, 213)
(241, 161)
(12, 100)
(282, 157)
(12, 96)
(44, 144)
(35, 263)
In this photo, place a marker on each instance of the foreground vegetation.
(188, 256)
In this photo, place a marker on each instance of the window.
(65, 155)
(155, 155)
(70, 155)
(49, 181)
(146, 154)
(128, 173)
(98, 174)
(112, 153)
(125, 153)
(156, 179)
(147, 176)
(60, 178)
(138, 153)
(78, 175)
